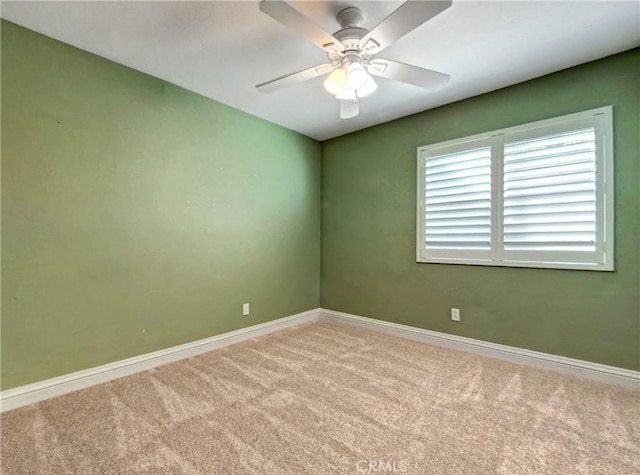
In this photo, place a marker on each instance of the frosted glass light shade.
(335, 82)
(348, 93)
(368, 88)
(357, 76)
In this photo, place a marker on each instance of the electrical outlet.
(245, 309)
(455, 314)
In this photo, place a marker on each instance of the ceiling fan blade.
(404, 19)
(293, 19)
(348, 108)
(421, 77)
(295, 78)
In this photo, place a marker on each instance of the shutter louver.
(549, 193)
(457, 201)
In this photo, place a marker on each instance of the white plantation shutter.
(538, 195)
(550, 194)
(457, 201)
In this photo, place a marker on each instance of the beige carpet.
(329, 398)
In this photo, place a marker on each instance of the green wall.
(137, 215)
(368, 228)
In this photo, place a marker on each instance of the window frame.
(601, 119)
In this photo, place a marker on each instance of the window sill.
(525, 264)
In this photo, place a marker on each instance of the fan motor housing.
(349, 35)
(350, 38)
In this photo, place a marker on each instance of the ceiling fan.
(352, 51)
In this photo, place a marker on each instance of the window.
(536, 195)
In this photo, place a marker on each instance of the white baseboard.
(580, 368)
(50, 388)
(47, 389)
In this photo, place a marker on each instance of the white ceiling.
(223, 49)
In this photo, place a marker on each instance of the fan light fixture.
(352, 84)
